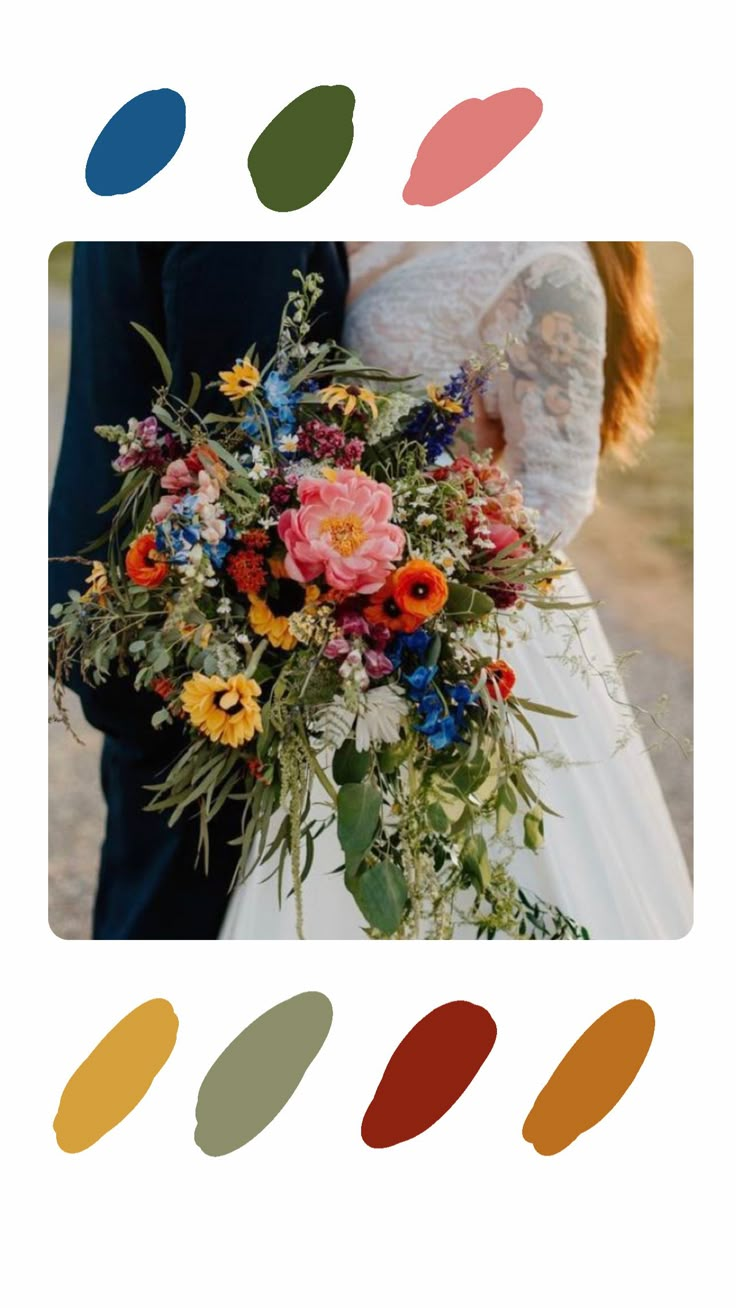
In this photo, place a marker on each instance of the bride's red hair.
(632, 345)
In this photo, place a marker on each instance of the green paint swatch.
(248, 1085)
(303, 148)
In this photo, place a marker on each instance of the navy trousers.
(207, 302)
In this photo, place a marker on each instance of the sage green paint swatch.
(303, 148)
(252, 1080)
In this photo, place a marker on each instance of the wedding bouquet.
(321, 593)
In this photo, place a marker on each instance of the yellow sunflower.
(442, 401)
(241, 380)
(349, 397)
(226, 711)
(269, 616)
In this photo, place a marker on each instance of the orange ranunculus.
(501, 679)
(142, 563)
(419, 588)
(384, 611)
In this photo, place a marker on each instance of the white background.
(633, 142)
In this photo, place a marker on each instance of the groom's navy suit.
(207, 302)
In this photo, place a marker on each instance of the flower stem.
(314, 764)
(295, 815)
(256, 657)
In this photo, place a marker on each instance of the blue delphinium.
(435, 426)
(442, 720)
(415, 642)
(176, 535)
(281, 403)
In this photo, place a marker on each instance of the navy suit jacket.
(207, 302)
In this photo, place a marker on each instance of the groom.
(207, 302)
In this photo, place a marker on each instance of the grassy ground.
(635, 554)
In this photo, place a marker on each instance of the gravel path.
(648, 611)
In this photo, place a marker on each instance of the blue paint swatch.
(137, 142)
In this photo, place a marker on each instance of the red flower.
(501, 679)
(142, 563)
(256, 539)
(162, 686)
(247, 570)
(384, 611)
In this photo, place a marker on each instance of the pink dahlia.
(342, 529)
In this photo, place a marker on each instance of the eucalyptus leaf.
(381, 893)
(358, 808)
(534, 829)
(350, 764)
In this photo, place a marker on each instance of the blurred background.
(635, 555)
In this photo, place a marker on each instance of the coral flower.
(144, 564)
(343, 530)
(240, 380)
(349, 397)
(226, 711)
(383, 611)
(420, 589)
(178, 477)
(501, 679)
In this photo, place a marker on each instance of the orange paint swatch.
(592, 1077)
(108, 1085)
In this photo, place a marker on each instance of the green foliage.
(358, 810)
(381, 893)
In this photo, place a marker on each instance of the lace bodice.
(423, 308)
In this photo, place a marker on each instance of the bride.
(583, 352)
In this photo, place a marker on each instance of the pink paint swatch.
(468, 141)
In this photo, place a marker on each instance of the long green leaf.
(531, 707)
(358, 807)
(158, 349)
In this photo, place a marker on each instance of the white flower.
(258, 472)
(288, 444)
(426, 519)
(224, 606)
(334, 723)
(379, 717)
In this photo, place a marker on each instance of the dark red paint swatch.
(428, 1072)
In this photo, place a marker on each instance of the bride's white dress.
(612, 861)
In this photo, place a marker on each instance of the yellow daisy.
(442, 401)
(241, 380)
(226, 711)
(349, 397)
(97, 584)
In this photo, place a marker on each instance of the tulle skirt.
(612, 860)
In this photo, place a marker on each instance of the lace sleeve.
(550, 399)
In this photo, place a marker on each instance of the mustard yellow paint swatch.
(592, 1077)
(108, 1085)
